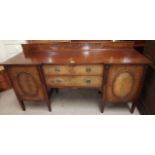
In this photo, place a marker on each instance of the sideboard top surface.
(105, 56)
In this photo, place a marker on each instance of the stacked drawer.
(73, 75)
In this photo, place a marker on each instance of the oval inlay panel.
(122, 85)
(27, 84)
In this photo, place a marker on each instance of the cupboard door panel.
(27, 83)
(123, 83)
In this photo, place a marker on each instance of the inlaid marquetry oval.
(27, 84)
(122, 85)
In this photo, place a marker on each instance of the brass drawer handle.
(57, 69)
(88, 70)
(88, 81)
(59, 80)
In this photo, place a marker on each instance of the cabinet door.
(26, 82)
(123, 83)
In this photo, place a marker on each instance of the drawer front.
(73, 69)
(57, 69)
(87, 81)
(74, 81)
(88, 70)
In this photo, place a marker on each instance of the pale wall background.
(9, 48)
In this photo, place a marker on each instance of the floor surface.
(66, 102)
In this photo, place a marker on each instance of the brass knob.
(57, 69)
(59, 80)
(88, 70)
(88, 81)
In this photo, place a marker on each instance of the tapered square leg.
(49, 106)
(57, 90)
(102, 107)
(133, 107)
(22, 105)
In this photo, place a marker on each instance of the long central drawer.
(74, 81)
(73, 69)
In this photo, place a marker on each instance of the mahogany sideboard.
(116, 69)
